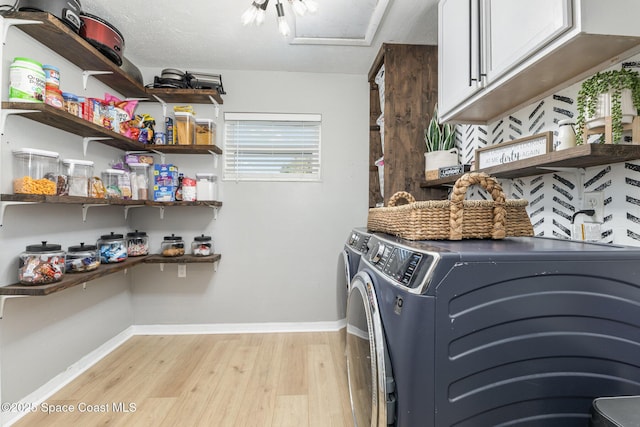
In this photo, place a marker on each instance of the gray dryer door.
(371, 386)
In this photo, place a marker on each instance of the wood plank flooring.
(261, 380)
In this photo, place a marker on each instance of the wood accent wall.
(411, 92)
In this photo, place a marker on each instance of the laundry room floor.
(278, 379)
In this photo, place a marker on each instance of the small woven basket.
(457, 218)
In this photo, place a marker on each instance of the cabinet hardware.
(87, 73)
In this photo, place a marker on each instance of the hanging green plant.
(614, 82)
(439, 137)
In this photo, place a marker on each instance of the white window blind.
(272, 147)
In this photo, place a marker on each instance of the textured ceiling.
(207, 35)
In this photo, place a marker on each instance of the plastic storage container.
(206, 186)
(202, 246)
(26, 81)
(137, 243)
(111, 178)
(205, 132)
(77, 174)
(139, 181)
(41, 264)
(71, 104)
(112, 248)
(184, 128)
(82, 258)
(35, 171)
(172, 246)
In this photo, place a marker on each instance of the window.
(272, 147)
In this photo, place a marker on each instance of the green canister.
(26, 81)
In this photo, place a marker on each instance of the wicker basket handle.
(456, 213)
(400, 195)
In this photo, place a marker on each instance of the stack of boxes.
(165, 182)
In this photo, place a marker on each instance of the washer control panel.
(358, 241)
(404, 266)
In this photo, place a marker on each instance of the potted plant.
(614, 93)
(440, 141)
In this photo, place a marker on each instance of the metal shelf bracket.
(126, 209)
(85, 208)
(3, 206)
(215, 105)
(8, 112)
(161, 154)
(87, 73)
(164, 105)
(4, 298)
(8, 22)
(87, 139)
(215, 158)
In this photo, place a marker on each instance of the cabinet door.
(516, 29)
(458, 52)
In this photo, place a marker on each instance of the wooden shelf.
(74, 279)
(55, 35)
(582, 156)
(60, 119)
(73, 200)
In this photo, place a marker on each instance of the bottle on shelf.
(178, 195)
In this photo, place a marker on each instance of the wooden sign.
(519, 149)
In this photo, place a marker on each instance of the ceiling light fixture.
(255, 14)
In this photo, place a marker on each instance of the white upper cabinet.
(496, 56)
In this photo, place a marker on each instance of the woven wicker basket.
(457, 218)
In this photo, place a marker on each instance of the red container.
(103, 36)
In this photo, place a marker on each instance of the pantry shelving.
(75, 279)
(581, 156)
(55, 35)
(60, 119)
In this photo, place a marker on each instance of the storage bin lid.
(82, 248)
(202, 238)
(210, 122)
(183, 114)
(173, 237)
(77, 162)
(27, 152)
(136, 234)
(114, 171)
(138, 165)
(44, 247)
(112, 236)
(206, 175)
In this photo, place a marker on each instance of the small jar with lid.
(41, 264)
(53, 96)
(81, 258)
(172, 246)
(202, 246)
(112, 248)
(111, 179)
(137, 243)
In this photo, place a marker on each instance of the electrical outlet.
(594, 200)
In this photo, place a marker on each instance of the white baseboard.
(56, 383)
(238, 328)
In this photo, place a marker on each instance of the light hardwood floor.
(261, 380)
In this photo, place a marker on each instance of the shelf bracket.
(580, 174)
(8, 112)
(164, 105)
(4, 298)
(127, 207)
(215, 211)
(215, 158)
(215, 105)
(87, 139)
(85, 208)
(87, 73)
(3, 206)
(11, 21)
(161, 266)
(161, 154)
(215, 266)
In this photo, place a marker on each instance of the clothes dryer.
(519, 331)
(354, 247)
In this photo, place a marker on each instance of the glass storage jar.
(202, 246)
(82, 258)
(206, 186)
(112, 248)
(139, 180)
(111, 178)
(77, 174)
(137, 243)
(35, 171)
(41, 264)
(172, 246)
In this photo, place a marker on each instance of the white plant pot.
(434, 160)
(603, 109)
